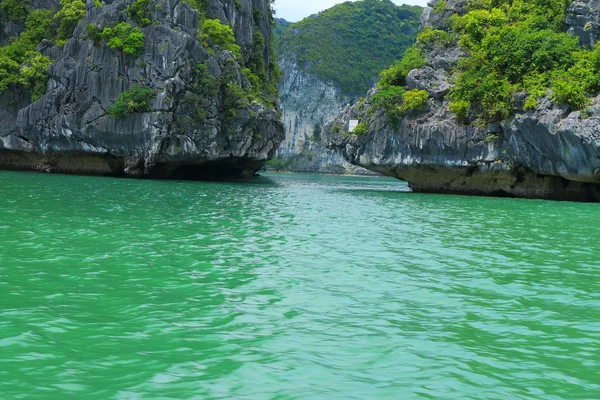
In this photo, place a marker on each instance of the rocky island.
(496, 98)
(140, 88)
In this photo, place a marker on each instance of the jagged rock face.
(68, 129)
(583, 19)
(549, 153)
(308, 103)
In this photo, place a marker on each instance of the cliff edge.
(533, 148)
(140, 88)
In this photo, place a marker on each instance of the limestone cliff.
(308, 103)
(205, 116)
(549, 152)
(328, 61)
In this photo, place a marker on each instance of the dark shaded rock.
(583, 20)
(68, 129)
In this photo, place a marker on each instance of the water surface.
(292, 287)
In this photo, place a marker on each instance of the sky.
(295, 10)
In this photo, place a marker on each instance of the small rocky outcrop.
(184, 134)
(583, 20)
(547, 153)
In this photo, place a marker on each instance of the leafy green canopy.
(136, 99)
(14, 10)
(140, 12)
(71, 12)
(214, 33)
(520, 46)
(124, 37)
(20, 64)
(350, 43)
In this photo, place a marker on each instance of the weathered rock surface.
(68, 129)
(308, 103)
(549, 153)
(329, 61)
(583, 19)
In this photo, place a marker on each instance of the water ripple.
(293, 287)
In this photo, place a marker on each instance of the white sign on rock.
(352, 125)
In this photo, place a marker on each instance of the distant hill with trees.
(350, 43)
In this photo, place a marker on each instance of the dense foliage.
(34, 74)
(136, 99)
(14, 10)
(514, 46)
(350, 43)
(262, 76)
(124, 37)
(71, 12)
(520, 46)
(139, 11)
(20, 64)
(280, 26)
(396, 74)
(214, 33)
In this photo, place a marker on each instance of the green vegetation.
(262, 77)
(124, 37)
(278, 163)
(204, 89)
(441, 6)
(280, 26)
(436, 37)
(361, 129)
(389, 99)
(68, 17)
(414, 100)
(520, 46)
(140, 12)
(460, 108)
(514, 46)
(396, 101)
(350, 43)
(214, 33)
(200, 6)
(93, 33)
(14, 10)
(136, 99)
(34, 74)
(20, 64)
(396, 74)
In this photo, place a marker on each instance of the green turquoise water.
(292, 287)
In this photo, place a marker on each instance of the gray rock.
(434, 81)
(68, 129)
(549, 153)
(308, 103)
(583, 20)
